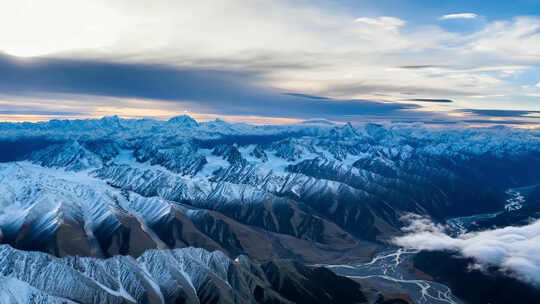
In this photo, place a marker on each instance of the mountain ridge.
(274, 197)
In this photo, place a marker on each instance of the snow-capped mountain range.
(314, 191)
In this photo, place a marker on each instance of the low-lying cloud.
(515, 249)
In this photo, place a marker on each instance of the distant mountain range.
(254, 198)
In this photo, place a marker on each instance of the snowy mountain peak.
(184, 121)
(111, 121)
(376, 131)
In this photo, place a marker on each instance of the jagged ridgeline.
(316, 192)
(189, 275)
(312, 191)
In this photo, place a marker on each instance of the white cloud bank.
(512, 248)
(459, 16)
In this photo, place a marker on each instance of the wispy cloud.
(430, 100)
(512, 248)
(384, 22)
(516, 40)
(499, 113)
(459, 16)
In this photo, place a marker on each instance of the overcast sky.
(272, 61)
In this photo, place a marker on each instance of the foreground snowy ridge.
(155, 277)
(188, 275)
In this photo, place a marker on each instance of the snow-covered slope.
(115, 186)
(66, 213)
(189, 275)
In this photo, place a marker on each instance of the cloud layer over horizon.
(257, 57)
(226, 92)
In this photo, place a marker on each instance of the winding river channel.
(388, 271)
